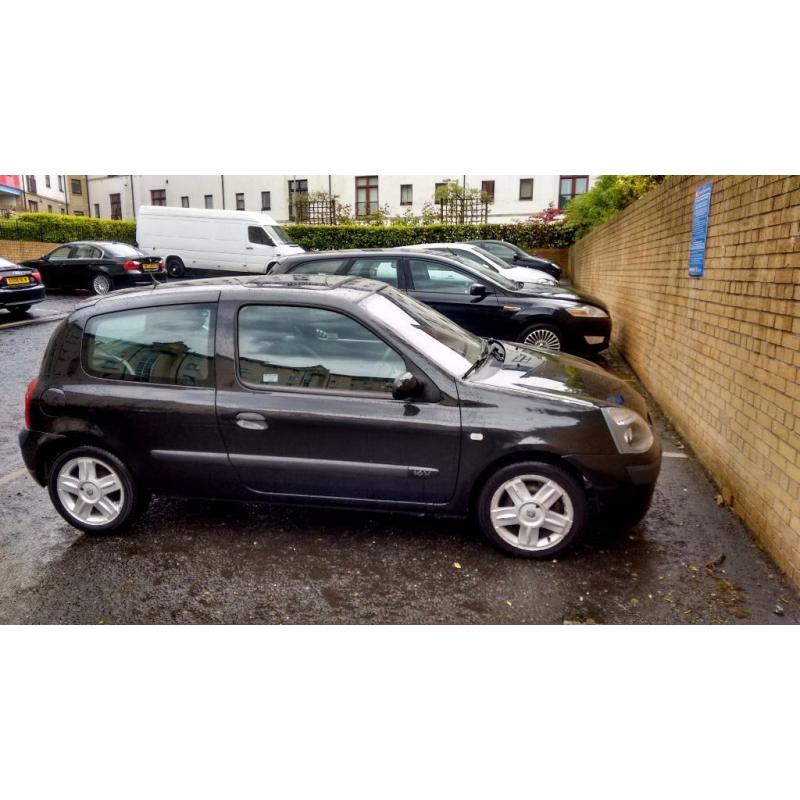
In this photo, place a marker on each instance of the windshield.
(278, 234)
(451, 347)
(118, 249)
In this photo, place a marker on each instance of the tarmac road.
(194, 561)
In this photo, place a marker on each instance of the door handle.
(248, 248)
(251, 421)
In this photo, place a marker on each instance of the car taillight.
(36, 275)
(28, 395)
(129, 265)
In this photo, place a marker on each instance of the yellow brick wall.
(17, 251)
(720, 353)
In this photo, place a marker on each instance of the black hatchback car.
(517, 257)
(97, 266)
(20, 287)
(332, 391)
(479, 299)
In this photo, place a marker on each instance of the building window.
(33, 205)
(97, 210)
(240, 201)
(30, 181)
(266, 201)
(76, 186)
(439, 186)
(366, 195)
(60, 183)
(78, 213)
(571, 186)
(49, 209)
(526, 188)
(158, 197)
(209, 198)
(185, 201)
(47, 181)
(116, 206)
(406, 194)
(296, 187)
(487, 190)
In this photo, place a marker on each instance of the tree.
(609, 195)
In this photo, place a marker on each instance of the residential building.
(514, 197)
(78, 193)
(45, 193)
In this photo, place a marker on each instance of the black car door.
(54, 267)
(305, 409)
(81, 261)
(447, 289)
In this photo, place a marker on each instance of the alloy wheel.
(543, 338)
(90, 490)
(531, 512)
(101, 284)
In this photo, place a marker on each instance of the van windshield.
(278, 234)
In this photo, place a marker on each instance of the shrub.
(66, 228)
(340, 237)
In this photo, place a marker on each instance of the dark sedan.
(517, 257)
(20, 287)
(99, 267)
(335, 391)
(480, 300)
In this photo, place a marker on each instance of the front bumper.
(587, 334)
(11, 298)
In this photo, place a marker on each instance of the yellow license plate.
(149, 267)
(18, 281)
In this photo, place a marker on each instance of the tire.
(100, 283)
(540, 490)
(175, 267)
(18, 311)
(543, 336)
(79, 474)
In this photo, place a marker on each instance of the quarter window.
(406, 194)
(526, 188)
(158, 197)
(240, 201)
(366, 195)
(571, 186)
(170, 345)
(431, 276)
(313, 348)
(379, 269)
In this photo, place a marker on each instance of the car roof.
(97, 243)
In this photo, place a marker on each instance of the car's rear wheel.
(175, 267)
(543, 336)
(94, 491)
(533, 509)
(101, 283)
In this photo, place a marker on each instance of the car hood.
(559, 293)
(557, 376)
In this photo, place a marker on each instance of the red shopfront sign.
(11, 181)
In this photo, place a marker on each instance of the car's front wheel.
(94, 491)
(101, 283)
(533, 509)
(542, 335)
(19, 311)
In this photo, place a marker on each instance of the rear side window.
(172, 345)
(328, 266)
(379, 269)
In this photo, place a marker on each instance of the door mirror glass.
(477, 290)
(405, 386)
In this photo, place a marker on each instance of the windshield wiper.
(491, 347)
(497, 348)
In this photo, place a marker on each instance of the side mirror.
(477, 290)
(405, 386)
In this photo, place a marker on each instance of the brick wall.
(15, 250)
(558, 255)
(720, 353)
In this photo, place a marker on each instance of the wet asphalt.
(197, 561)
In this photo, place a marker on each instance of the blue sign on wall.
(697, 248)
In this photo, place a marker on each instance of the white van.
(210, 241)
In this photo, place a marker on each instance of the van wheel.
(543, 336)
(533, 510)
(94, 491)
(101, 283)
(175, 267)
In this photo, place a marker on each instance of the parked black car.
(99, 267)
(516, 256)
(335, 391)
(481, 300)
(20, 287)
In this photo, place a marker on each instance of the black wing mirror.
(405, 386)
(477, 290)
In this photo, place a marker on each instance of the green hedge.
(66, 228)
(528, 235)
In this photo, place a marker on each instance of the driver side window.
(440, 278)
(300, 347)
(258, 235)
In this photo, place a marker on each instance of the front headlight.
(630, 432)
(586, 311)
